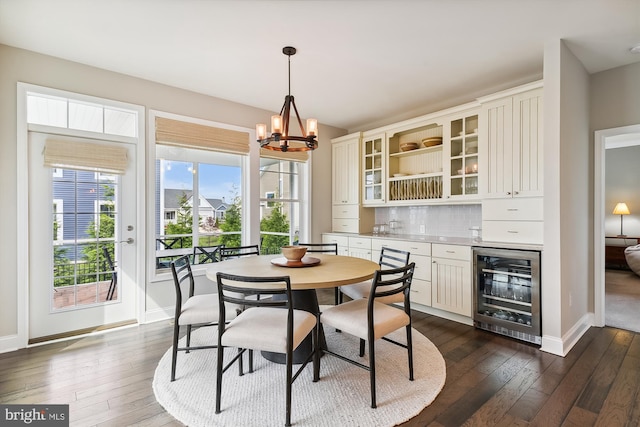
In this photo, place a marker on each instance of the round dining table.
(318, 271)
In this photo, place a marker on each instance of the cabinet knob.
(508, 193)
(516, 193)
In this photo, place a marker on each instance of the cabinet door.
(451, 285)
(496, 134)
(374, 181)
(360, 253)
(527, 144)
(345, 158)
(352, 174)
(462, 149)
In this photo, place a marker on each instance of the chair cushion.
(264, 328)
(363, 289)
(200, 309)
(351, 317)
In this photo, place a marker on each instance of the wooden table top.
(333, 270)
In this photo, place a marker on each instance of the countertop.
(448, 240)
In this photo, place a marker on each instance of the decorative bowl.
(294, 253)
(408, 146)
(432, 142)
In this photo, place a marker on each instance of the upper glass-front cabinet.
(464, 156)
(374, 169)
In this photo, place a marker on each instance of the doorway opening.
(612, 286)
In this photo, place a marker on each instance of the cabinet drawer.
(345, 211)
(422, 270)
(360, 243)
(523, 209)
(342, 241)
(421, 292)
(417, 248)
(345, 225)
(513, 231)
(451, 251)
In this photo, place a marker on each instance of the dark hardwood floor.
(491, 380)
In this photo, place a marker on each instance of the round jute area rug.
(341, 397)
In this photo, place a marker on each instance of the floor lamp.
(621, 209)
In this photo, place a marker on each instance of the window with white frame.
(280, 208)
(215, 180)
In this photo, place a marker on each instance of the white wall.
(566, 285)
(24, 66)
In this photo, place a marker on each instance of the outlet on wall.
(422, 229)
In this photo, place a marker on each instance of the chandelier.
(280, 139)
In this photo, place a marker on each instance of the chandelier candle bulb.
(276, 124)
(312, 127)
(261, 131)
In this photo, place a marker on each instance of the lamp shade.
(621, 209)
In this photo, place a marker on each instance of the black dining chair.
(389, 258)
(114, 274)
(206, 254)
(369, 319)
(270, 325)
(227, 252)
(195, 310)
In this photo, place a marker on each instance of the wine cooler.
(506, 285)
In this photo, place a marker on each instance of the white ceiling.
(359, 62)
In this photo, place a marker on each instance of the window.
(270, 195)
(214, 179)
(201, 174)
(84, 222)
(280, 209)
(74, 114)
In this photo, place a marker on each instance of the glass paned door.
(82, 265)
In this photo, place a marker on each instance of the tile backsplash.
(449, 220)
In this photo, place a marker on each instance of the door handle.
(129, 241)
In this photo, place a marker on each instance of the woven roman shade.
(201, 137)
(85, 156)
(295, 156)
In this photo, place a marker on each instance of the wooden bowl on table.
(294, 253)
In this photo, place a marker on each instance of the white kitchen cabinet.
(451, 278)
(462, 150)
(420, 253)
(341, 240)
(360, 247)
(511, 132)
(348, 215)
(415, 165)
(374, 168)
(516, 220)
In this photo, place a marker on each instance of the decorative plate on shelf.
(304, 262)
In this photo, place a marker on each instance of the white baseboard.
(562, 346)
(9, 343)
(442, 313)
(158, 314)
